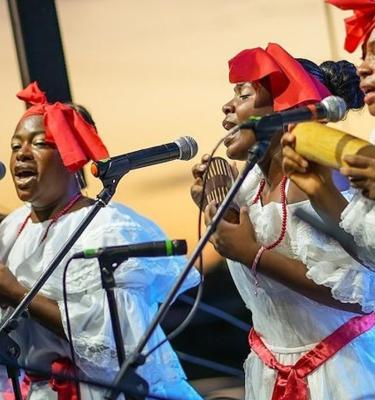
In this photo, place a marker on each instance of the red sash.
(291, 381)
(66, 389)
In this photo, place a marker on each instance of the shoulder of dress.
(251, 182)
(116, 216)
(17, 215)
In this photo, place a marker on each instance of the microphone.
(163, 248)
(330, 109)
(184, 148)
(2, 170)
(328, 146)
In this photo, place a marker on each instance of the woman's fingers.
(358, 183)
(288, 139)
(294, 156)
(359, 161)
(209, 212)
(293, 162)
(356, 172)
(196, 191)
(199, 169)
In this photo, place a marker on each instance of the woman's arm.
(42, 309)
(292, 273)
(238, 243)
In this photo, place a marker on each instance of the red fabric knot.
(290, 84)
(66, 389)
(33, 95)
(76, 140)
(291, 382)
(360, 25)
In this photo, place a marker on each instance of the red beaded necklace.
(284, 220)
(283, 206)
(54, 218)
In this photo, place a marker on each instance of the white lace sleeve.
(329, 265)
(358, 219)
(141, 283)
(94, 343)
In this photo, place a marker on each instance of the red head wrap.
(76, 140)
(360, 25)
(291, 84)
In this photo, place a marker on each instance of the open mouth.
(369, 92)
(23, 176)
(227, 125)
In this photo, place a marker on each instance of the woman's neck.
(40, 213)
(275, 173)
(271, 167)
(271, 164)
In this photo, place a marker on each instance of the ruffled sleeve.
(9, 228)
(358, 219)
(94, 343)
(141, 283)
(329, 265)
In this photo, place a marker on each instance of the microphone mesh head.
(188, 147)
(335, 107)
(2, 170)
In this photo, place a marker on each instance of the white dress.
(290, 324)
(142, 283)
(358, 219)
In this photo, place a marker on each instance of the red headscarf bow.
(76, 140)
(360, 25)
(291, 84)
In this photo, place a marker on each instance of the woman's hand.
(311, 178)
(11, 291)
(361, 173)
(234, 241)
(314, 180)
(198, 171)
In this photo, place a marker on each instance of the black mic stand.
(9, 350)
(136, 358)
(108, 264)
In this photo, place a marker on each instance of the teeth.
(25, 173)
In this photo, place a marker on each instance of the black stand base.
(9, 352)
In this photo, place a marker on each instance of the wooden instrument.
(328, 146)
(219, 180)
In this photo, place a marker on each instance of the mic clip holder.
(137, 358)
(265, 127)
(106, 171)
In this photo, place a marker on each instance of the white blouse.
(291, 324)
(142, 283)
(358, 219)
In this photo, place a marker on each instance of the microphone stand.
(9, 349)
(9, 352)
(108, 264)
(136, 358)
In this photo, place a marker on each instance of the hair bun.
(342, 80)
